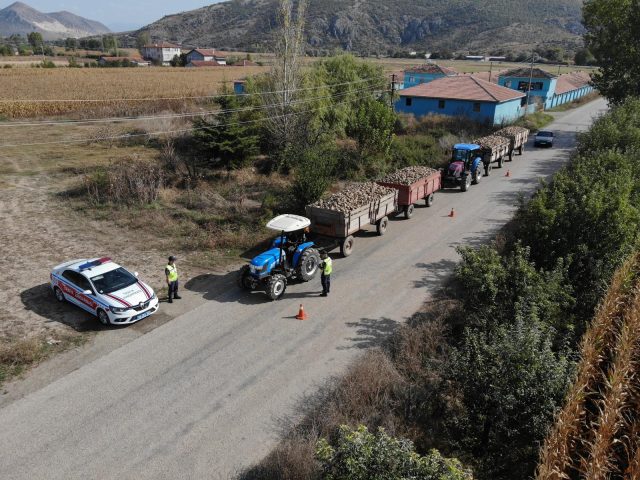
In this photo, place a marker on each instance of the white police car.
(105, 289)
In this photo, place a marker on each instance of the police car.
(104, 289)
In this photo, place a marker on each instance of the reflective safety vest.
(172, 273)
(328, 266)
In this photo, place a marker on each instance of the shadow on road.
(370, 332)
(436, 275)
(40, 300)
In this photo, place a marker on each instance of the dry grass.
(595, 435)
(111, 84)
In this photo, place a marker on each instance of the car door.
(74, 289)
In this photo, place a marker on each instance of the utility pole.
(490, 70)
(393, 90)
(530, 79)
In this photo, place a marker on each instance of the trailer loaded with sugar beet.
(336, 219)
(413, 184)
(495, 149)
(517, 137)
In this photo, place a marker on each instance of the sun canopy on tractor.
(288, 223)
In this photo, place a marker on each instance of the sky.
(118, 15)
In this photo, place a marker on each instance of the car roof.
(90, 267)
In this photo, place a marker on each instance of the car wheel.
(59, 295)
(103, 317)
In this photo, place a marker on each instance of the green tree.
(71, 44)
(613, 29)
(227, 139)
(36, 42)
(179, 60)
(313, 175)
(143, 39)
(584, 57)
(505, 386)
(361, 455)
(372, 126)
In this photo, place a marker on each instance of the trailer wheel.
(521, 149)
(276, 286)
(381, 225)
(487, 169)
(510, 156)
(428, 201)
(500, 162)
(408, 211)
(346, 247)
(243, 278)
(466, 183)
(309, 263)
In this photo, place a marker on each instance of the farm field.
(103, 91)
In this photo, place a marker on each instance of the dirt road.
(200, 397)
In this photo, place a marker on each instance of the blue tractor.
(465, 166)
(291, 257)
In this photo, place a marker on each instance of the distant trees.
(584, 57)
(143, 39)
(36, 42)
(179, 60)
(71, 44)
(612, 38)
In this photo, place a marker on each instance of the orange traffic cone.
(508, 174)
(453, 213)
(301, 315)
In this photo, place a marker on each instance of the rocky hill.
(384, 26)
(22, 19)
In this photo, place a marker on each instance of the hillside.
(383, 26)
(22, 19)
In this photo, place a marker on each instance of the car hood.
(129, 296)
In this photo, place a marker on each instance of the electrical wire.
(156, 99)
(152, 134)
(173, 115)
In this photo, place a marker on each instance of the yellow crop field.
(109, 91)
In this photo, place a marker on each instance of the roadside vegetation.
(480, 374)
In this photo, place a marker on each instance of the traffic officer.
(325, 276)
(171, 272)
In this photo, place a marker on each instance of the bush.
(361, 455)
(125, 182)
(313, 176)
(416, 150)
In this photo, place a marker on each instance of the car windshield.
(460, 155)
(113, 280)
(545, 134)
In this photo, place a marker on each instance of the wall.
(411, 79)
(546, 92)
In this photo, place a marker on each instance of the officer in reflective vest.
(325, 276)
(171, 272)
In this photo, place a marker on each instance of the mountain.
(384, 26)
(21, 18)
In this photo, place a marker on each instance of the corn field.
(597, 434)
(99, 92)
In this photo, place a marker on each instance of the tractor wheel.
(477, 176)
(381, 225)
(276, 286)
(466, 183)
(500, 162)
(346, 247)
(408, 211)
(243, 278)
(428, 201)
(487, 169)
(309, 264)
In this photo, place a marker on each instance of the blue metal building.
(463, 95)
(426, 73)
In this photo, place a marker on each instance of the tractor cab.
(291, 256)
(464, 166)
(465, 153)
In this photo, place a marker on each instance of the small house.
(538, 82)
(206, 55)
(426, 73)
(463, 95)
(161, 53)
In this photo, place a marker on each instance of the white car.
(104, 289)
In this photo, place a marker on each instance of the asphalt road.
(200, 397)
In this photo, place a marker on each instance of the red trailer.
(411, 190)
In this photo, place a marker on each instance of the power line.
(152, 134)
(173, 115)
(156, 99)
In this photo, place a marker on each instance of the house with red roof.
(463, 95)
(426, 73)
(162, 52)
(206, 55)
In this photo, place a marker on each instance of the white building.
(206, 55)
(161, 52)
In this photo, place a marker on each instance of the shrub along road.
(201, 396)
